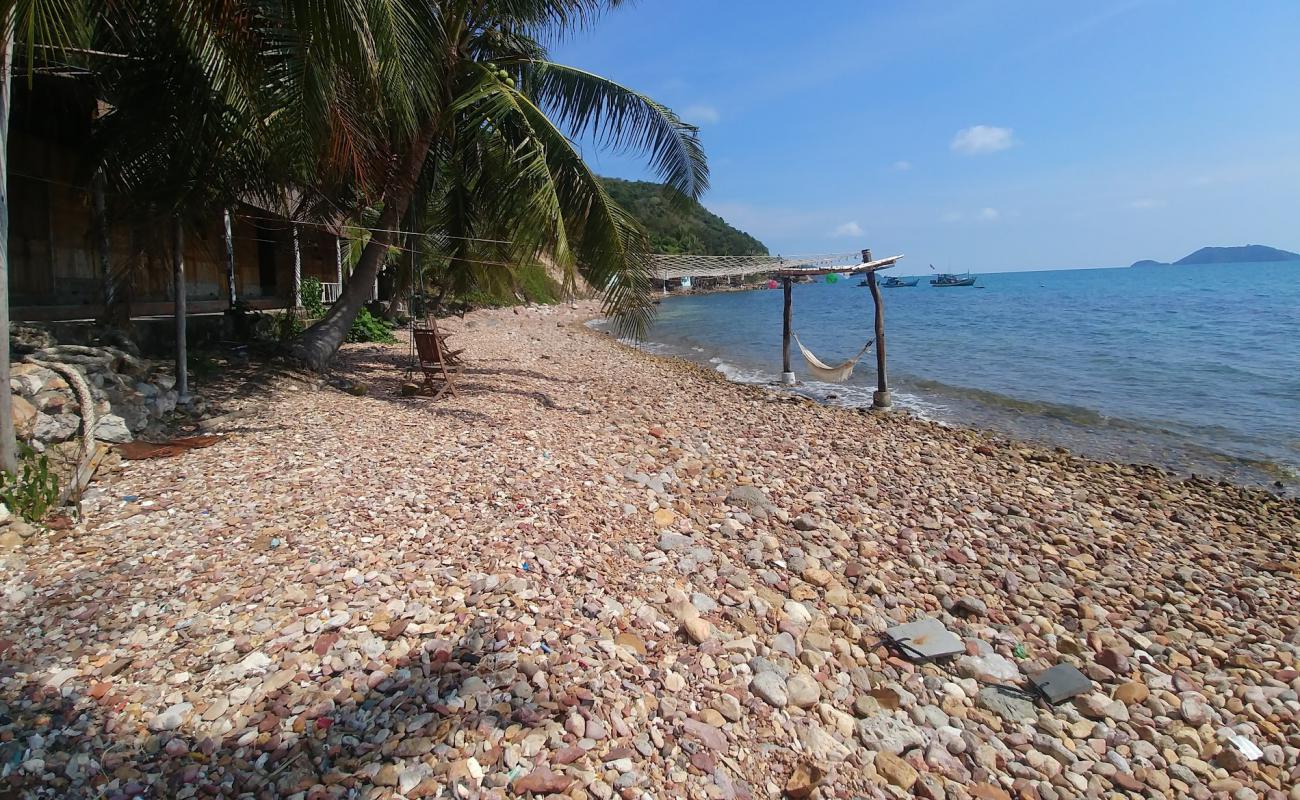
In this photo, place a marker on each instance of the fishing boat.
(895, 282)
(947, 279)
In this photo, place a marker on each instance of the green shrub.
(287, 325)
(369, 328)
(312, 293)
(536, 286)
(34, 491)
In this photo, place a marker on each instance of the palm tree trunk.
(317, 345)
(8, 442)
(402, 283)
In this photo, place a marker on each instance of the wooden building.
(59, 268)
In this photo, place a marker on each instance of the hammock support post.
(787, 375)
(881, 397)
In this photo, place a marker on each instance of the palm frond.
(623, 119)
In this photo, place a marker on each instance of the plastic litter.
(1247, 748)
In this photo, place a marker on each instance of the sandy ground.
(600, 573)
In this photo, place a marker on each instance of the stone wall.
(131, 395)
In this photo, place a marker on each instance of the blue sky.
(983, 134)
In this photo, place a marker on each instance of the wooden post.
(297, 266)
(230, 260)
(880, 398)
(787, 376)
(99, 223)
(338, 261)
(8, 441)
(178, 281)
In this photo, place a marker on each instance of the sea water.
(1195, 368)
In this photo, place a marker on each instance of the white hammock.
(824, 372)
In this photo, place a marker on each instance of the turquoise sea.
(1195, 368)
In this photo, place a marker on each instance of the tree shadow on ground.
(384, 370)
(383, 728)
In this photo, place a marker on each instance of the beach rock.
(750, 498)
(802, 690)
(803, 780)
(479, 607)
(805, 522)
(112, 428)
(1132, 693)
(699, 630)
(541, 781)
(971, 606)
(771, 688)
(896, 771)
(1005, 704)
(888, 733)
(990, 668)
(171, 718)
(24, 416)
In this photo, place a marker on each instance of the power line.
(665, 265)
(375, 230)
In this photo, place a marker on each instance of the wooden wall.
(55, 268)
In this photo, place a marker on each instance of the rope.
(82, 390)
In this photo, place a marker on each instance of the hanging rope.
(84, 399)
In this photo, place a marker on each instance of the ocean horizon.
(1195, 368)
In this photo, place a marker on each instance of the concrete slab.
(925, 640)
(1060, 683)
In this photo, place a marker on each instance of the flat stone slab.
(1061, 682)
(925, 640)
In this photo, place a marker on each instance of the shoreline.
(603, 573)
(1046, 424)
(904, 416)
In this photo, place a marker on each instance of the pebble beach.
(599, 573)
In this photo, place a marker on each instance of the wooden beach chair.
(437, 362)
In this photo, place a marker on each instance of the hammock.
(823, 372)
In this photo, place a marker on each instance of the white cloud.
(902, 166)
(952, 216)
(1145, 203)
(982, 139)
(989, 214)
(848, 229)
(700, 114)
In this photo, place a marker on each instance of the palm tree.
(490, 132)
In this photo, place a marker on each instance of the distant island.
(1246, 254)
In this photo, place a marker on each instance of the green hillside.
(673, 228)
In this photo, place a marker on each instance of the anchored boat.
(894, 282)
(945, 279)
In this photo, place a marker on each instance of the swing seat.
(824, 372)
